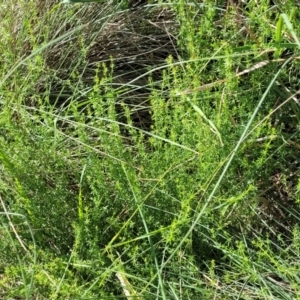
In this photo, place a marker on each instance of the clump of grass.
(153, 151)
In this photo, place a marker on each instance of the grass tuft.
(149, 150)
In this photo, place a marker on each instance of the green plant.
(150, 151)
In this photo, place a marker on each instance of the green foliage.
(149, 152)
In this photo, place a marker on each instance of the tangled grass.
(149, 151)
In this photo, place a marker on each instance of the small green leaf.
(279, 26)
(278, 36)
